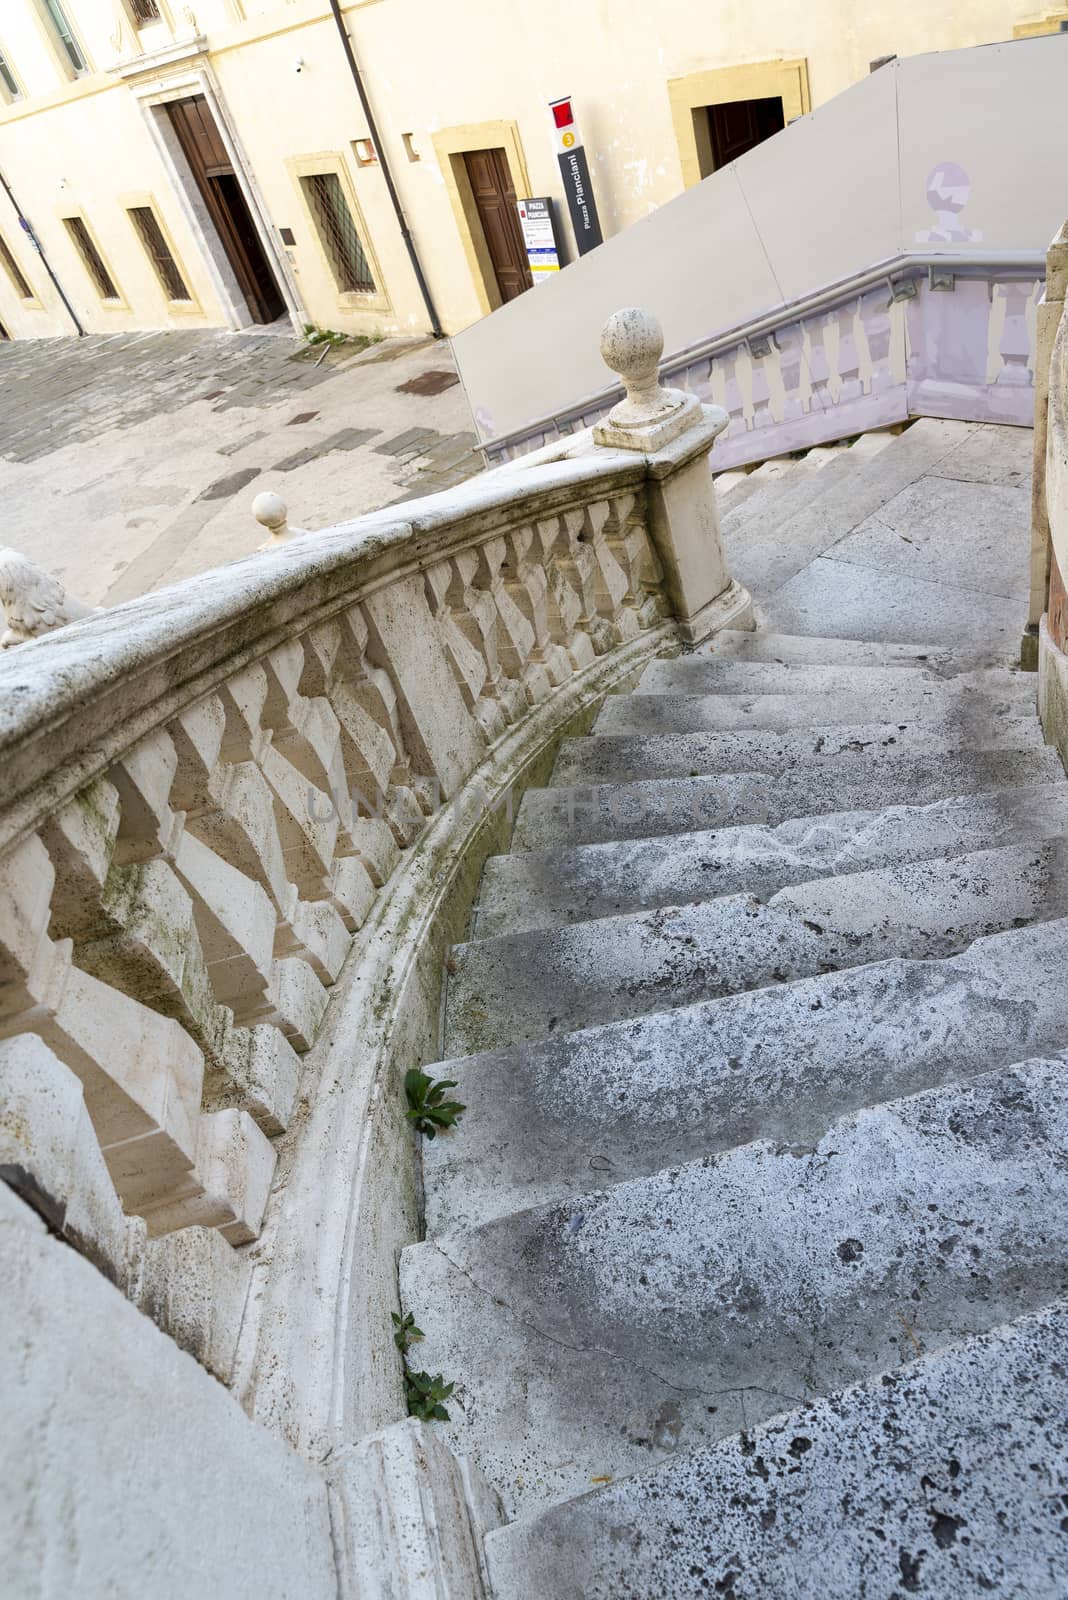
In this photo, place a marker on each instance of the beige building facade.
(169, 165)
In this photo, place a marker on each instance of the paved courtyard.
(129, 462)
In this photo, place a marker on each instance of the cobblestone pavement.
(129, 462)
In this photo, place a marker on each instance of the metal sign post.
(575, 172)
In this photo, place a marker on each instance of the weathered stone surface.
(127, 1469)
(558, 818)
(908, 695)
(813, 650)
(542, 889)
(599, 1335)
(524, 986)
(933, 1479)
(619, 758)
(409, 1518)
(561, 1115)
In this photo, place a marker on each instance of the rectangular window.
(9, 84)
(144, 11)
(158, 252)
(68, 44)
(337, 233)
(14, 272)
(92, 260)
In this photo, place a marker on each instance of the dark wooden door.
(210, 164)
(738, 125)
(494, 193)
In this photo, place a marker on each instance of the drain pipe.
(37, 245)
(409, 242)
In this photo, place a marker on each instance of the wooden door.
(738, 125)
(494, 195)
(210, 164)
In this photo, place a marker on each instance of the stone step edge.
(839, 1401)
(498, 940)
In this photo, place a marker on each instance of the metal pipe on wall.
(24, 224)
(372, 130)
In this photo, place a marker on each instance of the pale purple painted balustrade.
(966, 350)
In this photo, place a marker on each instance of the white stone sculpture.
(272, 513)
(34, 601)
(632, 342)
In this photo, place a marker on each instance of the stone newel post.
(675, 432)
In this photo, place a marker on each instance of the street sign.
(575, 171)
(539, 237)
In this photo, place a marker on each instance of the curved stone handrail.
(214, 794)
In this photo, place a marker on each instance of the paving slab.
(833, 597)
(106, 443)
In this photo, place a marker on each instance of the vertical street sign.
(574, 169)
(539, 237)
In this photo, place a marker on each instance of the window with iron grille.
(92, 260)
(145, 10)
(9, 84)
(65, 34)
(15, 272)
(337, 233)
(158, 252)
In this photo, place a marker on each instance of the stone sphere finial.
(632, 342)
(271, 511)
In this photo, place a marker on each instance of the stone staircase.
(745, 1257)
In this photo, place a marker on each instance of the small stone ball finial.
(632, 342)
(271, 511)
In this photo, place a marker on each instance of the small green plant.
(427, 1105)
(425, 1395)
(404, 1331)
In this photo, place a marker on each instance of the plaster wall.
(431, 71)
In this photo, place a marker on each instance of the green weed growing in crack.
(427, 1106)
(424, 1394)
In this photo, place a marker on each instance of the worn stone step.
(561, 818)
(547, 1120)
(594, 1337)
(770, 512)
(932, 1479)
(551, 888)
(736, 644)
(700, 675)
(525, 986)
(623, 757)
(766, 557)
(916, 698)
(801, 480)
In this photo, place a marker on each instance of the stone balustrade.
(923, 343)
(209, 791)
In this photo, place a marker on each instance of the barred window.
(158, 252)
(65, 34)
(9, 84)
(145, 10)
(92, 260)
(14, 272)
(337, 233)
